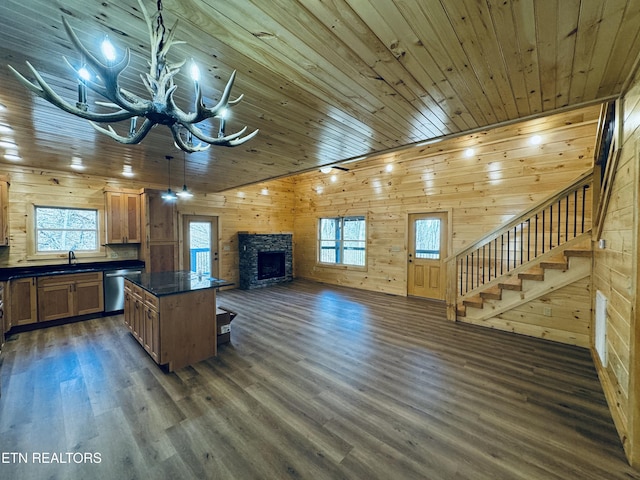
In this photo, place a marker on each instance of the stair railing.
(552, 222)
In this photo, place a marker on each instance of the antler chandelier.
(159, 110)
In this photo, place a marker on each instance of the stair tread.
(475, 301)
(513, 283)
(492, 293)
(535, 273)
(578, 252)
(558, 263)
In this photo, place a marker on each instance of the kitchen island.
(173, 315)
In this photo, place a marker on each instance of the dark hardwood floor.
(319, 382)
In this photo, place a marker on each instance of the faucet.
(72, 256)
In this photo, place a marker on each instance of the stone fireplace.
(265, 259)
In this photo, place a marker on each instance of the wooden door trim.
(449, 240)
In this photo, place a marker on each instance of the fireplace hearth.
(265, 259)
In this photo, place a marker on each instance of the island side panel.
(187, 328)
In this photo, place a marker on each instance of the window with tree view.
(64, 229)
(342, 240)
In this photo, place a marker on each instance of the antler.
(160, 109)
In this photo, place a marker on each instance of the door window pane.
(428, 238)
(200, 247)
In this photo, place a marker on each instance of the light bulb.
(194, 72)
(108, 50)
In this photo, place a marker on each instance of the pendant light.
(185, 193)
(169, 195)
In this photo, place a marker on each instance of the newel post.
(451, 293)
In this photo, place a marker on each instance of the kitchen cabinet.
(133, 309)
(151, 335)
(63, 296)
(122, 217)
(160, 232)
(4, 213)
(3, 323)
(23, 306)
(178, 317)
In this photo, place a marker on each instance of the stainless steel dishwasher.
(114, 288)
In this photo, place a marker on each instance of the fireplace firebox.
(270, 265)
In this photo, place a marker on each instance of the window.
(427, 238)
(342, 240)
(65, 229)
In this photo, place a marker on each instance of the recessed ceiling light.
(536, 140)
(76, 163)
(126, 171)
(265, 191)
(389, 167)
(469, 152)
(334, 178)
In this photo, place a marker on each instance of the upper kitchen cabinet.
(122, 217)
(4, 212)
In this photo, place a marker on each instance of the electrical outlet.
(546, 311)
(225, 328)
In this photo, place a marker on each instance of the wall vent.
(601, 327)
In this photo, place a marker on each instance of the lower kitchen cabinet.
(63, 296)
(22, 301)
(175, 330)
(151, 337)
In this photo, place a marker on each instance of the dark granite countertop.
(171, 283)
(10, 273)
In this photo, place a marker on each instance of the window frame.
(32, 231)
(341, 242)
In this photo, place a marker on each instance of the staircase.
(562, 266)
(532, 274)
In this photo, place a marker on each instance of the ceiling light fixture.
(160, 109)
(184, 193)
(325, 170)
(536, 140)
(12, 156)
(76, 163)
(469, 152)
(127, 171)
(169, 195)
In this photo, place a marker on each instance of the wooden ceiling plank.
(623, 52)
(390, 26)
(546, 21)
(329, 61)
(567, 15)
(524, 19)
(472, 30)
(505, 30)
(344, 23)
(475, 110)
(588, 25)
(612, 16)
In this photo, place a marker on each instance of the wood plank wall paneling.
(247, 209)
(569, 320)
(505, 176)
(614, 274)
